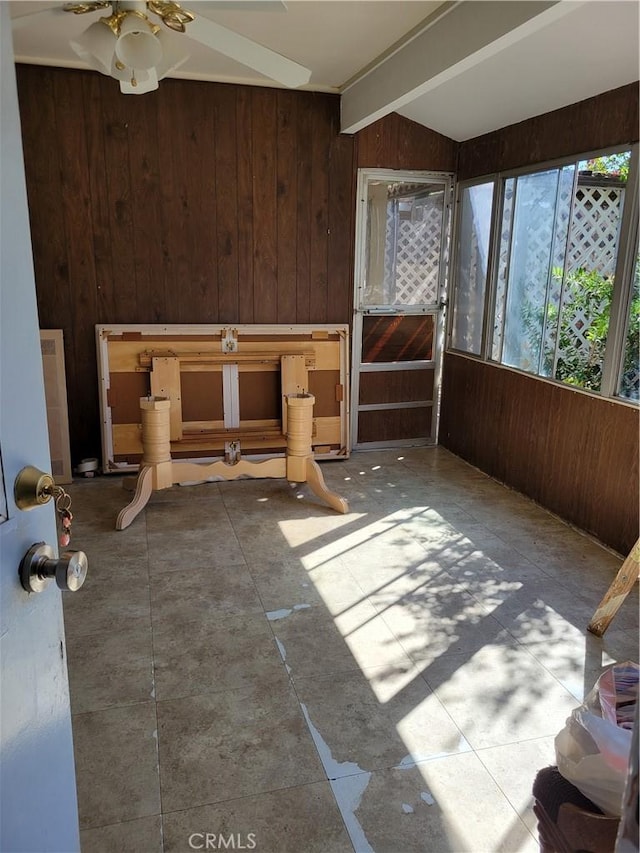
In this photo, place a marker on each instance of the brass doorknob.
(39, 565)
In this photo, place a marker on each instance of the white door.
(402, 235)
(38, 810)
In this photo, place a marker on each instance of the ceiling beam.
(468, 33)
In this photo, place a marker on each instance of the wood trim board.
(55, 389)
(227, 381)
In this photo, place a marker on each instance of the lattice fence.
(595, 228)
(412, 251)
(585, 235)
(593, 243)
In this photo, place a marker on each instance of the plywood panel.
(394, 424)
(549, 441)
(324, 384)
(202, 396)
(260, 396)
(165, 382)
(124, 396)
(396, 386)
(327, 431)
(397, 338)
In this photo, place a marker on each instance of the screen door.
(402, 233)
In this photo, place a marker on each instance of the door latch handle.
(39, 565)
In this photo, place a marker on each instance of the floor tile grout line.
(504, 793)
(293, 687)
(153, 680)
(121, 823)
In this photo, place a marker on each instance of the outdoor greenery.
(580, 323)
(613, 165)
(586, 304)
(587, 300)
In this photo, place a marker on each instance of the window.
(476, 205)
(404, 243)
(549, 288)
(629, 387)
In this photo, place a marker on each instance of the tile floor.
(250, 670)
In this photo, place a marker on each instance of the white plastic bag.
(592, 750)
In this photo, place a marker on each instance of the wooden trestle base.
(158, 471)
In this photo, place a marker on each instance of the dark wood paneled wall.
(570, 451)
(606, 120)
(198, 203)
(395, 142)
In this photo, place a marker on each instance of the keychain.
(63, 508)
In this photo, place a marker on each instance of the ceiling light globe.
(95, 46)
(137, 47)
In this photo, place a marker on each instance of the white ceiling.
(460, 68)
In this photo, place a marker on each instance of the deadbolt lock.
(39, 565)
(32, 488)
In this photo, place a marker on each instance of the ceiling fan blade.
(244, 5)
(21, 18)
(248, 52)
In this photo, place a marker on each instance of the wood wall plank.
(44, 190)
(244, 143)
(265, 219)
(342, 195)
(98, 191)
(226, 195)
(115, 127)
(76, 213)
(572, 452)
(320, 131)
(145, 170)
(303, 224)
(286, 194)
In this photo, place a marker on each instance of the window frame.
(624, 269)
(496, 201)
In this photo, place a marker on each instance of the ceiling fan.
(133, 44)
